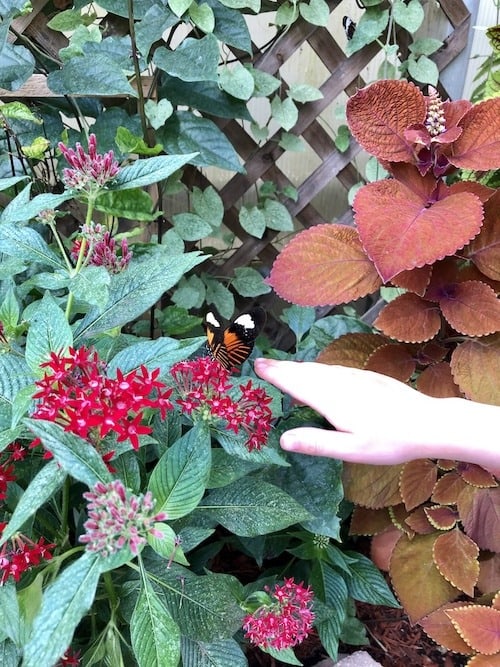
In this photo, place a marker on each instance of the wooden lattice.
(260, 161)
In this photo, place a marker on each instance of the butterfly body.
(232, 342)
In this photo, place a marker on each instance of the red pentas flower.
(20, 554)
(88, 171)
(69, 659)
(14, 452)
(283, 617)
(203, 386)
(118, 518)
(76, 393)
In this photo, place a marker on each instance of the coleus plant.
(431, 230)
(128, 465)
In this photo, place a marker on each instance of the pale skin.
(380, 420)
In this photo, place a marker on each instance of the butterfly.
(232, 342)
(349, 27)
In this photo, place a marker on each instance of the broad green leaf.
(203, 95)
(366, 582)
(185, 132)
(155, 635)
(251, 507)
(425, 46)
(69, 19)
(65, 602)
(330, 587)
(286, 655)
(90, 285)
(202, 16)
(374, 171)
(179, 478)
(6, 183)
(17, 64)
(237, 81)
(220, 296)
(190, 293)
(343, 138)
(254, 5)
(135, 290)
(133, 204)
(36, 150)
(212, 654)
(88, 75)
(191, 227)
(234, 445)
(75, 455)
(264, 84)
(226, 468)
(249, 282)
(148, 171)
(208, 205)
(48, 332)
(15, 375)
(300, 319)
(287, 13)
(19, 111)
(291, 142)
(10, 655)
(156, 21)
(23, 209)
(192, 60)
(424, 70)
(409, 15)
(301, 92)
(316, 12)
(128, 142)
(158, 112)
(121, 9)
(259, 133)
(369, 28)
(205, 607)
(284, 112)
(44, 484)
(253, 220)
(230, 26)
(277, 216)
(179, 6)
(10, 621)
(166, 545)
(161, 353)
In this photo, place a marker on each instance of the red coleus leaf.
(352, 349)
(417, 481)
(393, 360)
(415, 280)
(400, 229)
(324, 265)
(484, 250)
(479, 626)
(437, 380)
(482, 520)
(475, 475)
(442, 518)
(379, 114)
(471, 308)
(448, 488)
(409, 318)
(455, 555)
(478, 147)
(475, 365)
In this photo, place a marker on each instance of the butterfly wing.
(232, 344)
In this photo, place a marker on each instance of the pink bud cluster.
(101, 248)
(88, 171)
(285, 620)
(203, 387)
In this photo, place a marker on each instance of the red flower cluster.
(14, 452)
(69, 659)
(88, 171)
(203, 386)
(20, 554)
(76, 393)
(284, 620)
(101, 249)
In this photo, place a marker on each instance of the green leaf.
(300, 319)
(409, 15)
(155, 635)
(15, 375)
(425, 46)
(253, 220)
(10, 621)
(370, 26)
(185, 132)
(191, 227)
(158, 112)
(424, 70)
(151, 170)
(220, 296)
(90, 285)
(44, 484)
(343, 138)
(208, 205)
(133, 204)
(285, 655)
(17, 64)
(202, 16)
(231, 27)
(22, 209)
(36, 149)
(166, 546)
(161, 353)
(75, 455)
(284, 112)
(128, 142)
(248, 282)
(133, 291)
(179, 478)
(49, 331)
(179, 7)
(88, 75)
(277, 216)
(301, 92)
(6, 183)
(291, 142)
(212, 654)
(64, 603)
(157, 19)
(251, 507)
(254, 5)
(366, 582)
(237, 81)
(10, 655)
(287, 13)
(264, 84)
(226, 468)
(21, 112)
(69, 20)
(316, 12)
(192, 60)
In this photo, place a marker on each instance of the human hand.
(379, 419)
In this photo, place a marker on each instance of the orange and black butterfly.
(231, 342)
